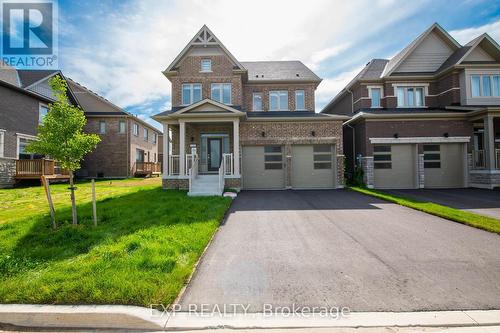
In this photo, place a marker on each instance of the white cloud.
(464, 36)
(123, 51)
(330, 87)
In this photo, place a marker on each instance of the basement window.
(382, 157)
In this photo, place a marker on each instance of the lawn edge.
(413, 204)
(195, 267)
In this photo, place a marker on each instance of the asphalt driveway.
(480, 201)
(341, 248)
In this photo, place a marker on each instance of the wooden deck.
(35, 169)
(147, 169)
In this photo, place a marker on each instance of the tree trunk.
(73, 202)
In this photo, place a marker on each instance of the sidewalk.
(138, 318)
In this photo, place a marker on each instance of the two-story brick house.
(251, 123)
(428, 117)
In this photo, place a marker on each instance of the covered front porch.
(204, 141)
(485, 154)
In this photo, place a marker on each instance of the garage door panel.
(443, 165)
(261, 169)
(313, 168)
(394, 166)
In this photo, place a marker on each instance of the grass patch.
(471, 219)
(143, 250)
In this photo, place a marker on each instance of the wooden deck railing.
(147, 167)
(37, 168)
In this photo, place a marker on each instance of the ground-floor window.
(2, 142)
(382, 158)
(273, 158)
(139, 155)
(22, 143)
(322, 156)
(432, 156)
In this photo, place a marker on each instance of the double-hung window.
(300, 103)
(278, 100)
(206, 65)
(136, 129)
(257, 101)
(191, 93)
(485, 85)
(410, 96)
(42, 112)
(375, 94)
(221, 92)
(155, 137)
(121, 127)
(145, 134)
(102, 127)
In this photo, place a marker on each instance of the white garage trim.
(422, 139)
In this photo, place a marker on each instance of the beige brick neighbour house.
(427, 118)
(246, 125)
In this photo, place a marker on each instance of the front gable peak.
(202, 39)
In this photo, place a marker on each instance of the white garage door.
(443, 165)
(313, 166)
(263, 167)
(394, 166)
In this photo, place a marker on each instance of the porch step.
(205, 185)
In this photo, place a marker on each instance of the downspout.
(128, 145)
(353, 133)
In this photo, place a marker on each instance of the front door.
(214, 153)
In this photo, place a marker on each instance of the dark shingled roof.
(259, 71)
(30, 76)
(91, 102)
(407, 110)
(8, 74)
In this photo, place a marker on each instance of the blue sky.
(119, 48)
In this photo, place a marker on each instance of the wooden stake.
(94, 208)
(45, 183)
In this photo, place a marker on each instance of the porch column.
(489, 142)
(236, 146)
(166, 149)
(182, 148)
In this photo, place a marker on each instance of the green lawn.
(143, 250)
(472, 219)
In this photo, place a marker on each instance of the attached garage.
(263, 167)
(313, 166)
(443, 165)
(395, 166)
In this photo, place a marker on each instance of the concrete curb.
(138, 318)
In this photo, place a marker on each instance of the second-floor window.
(121, 126)
(155, 137)
(257, 101)
(410, 96)
(145, 134)
(42, 112)
(191, 93)
(375, 96)
(136, 129)
(221, 92)
(206, 65)
(102, 127)
(485, 85)
(300, 103)
(278, 100)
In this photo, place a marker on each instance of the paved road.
(484, 202)
(341, 248)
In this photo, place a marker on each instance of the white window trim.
(279, 106)
(481, 75)
(425, 87)
(2, 142)
(295, 95)
(261, 101)
(201, 66)
(119, 127)
(221, 90)
(22, 136)
(381, 95)
(40, 105)
(191, 90)
(102, 122)
(155, 137)
(145, 134)
(136, 125)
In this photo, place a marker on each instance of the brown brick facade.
(249, 89)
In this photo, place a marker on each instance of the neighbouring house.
(129, 145)
(249, 125)
(427, 118)
(24, 99)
